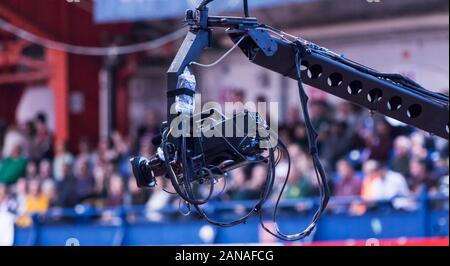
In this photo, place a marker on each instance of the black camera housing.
(211, 148)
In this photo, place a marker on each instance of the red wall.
(9, 98)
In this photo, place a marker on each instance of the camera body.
(215, 143)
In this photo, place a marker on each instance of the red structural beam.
(24, 78)
(12, 55)
(58, 82)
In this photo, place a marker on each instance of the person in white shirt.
(390, 185)
(7, 218)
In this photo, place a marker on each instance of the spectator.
(105, 152)
(45, 170)
(32, 171)
(444, 185)
(348, 184)
(146, 132)
(6, 218)
(42, 143)
(116, 192)
(138, 196)
(84, 183)
(421, 176)
(158, 201)
(62, 158)
(440, 166)
(402, 155)
(418, 148)
(382, 183)
(236, 187)
(67, 188)
(7, 205)
(299, 186)
(101, 176)
(319, 111)
(123, 154)
(370, 178)
(285, 134)
(13, 167)
(35, 202)
(248, 188)
(338, 143)
(319, 115)
(85, 154)
(49, 192)
(254, 185)
(293, 116)
(300, 136)
(3, 197)
(379, 144)
(352, 114)
(20, 195)
(13, 137)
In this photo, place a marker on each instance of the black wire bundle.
(318, 168)
(186, 191)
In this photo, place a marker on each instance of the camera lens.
(143, 172)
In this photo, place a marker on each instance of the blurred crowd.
(365, 155)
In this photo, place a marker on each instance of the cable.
(91, 51)
(188, 195)
(266, 192)
(318, 168)
(204, 4)
(222, 57)
(169, 192)
(187, 177)
(172, 175)
(277, 32)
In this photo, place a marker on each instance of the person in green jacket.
(13, 167)
(299, 185)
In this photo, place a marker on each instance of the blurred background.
(71, 117)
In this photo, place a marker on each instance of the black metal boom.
(321, 69)
(376, 94)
